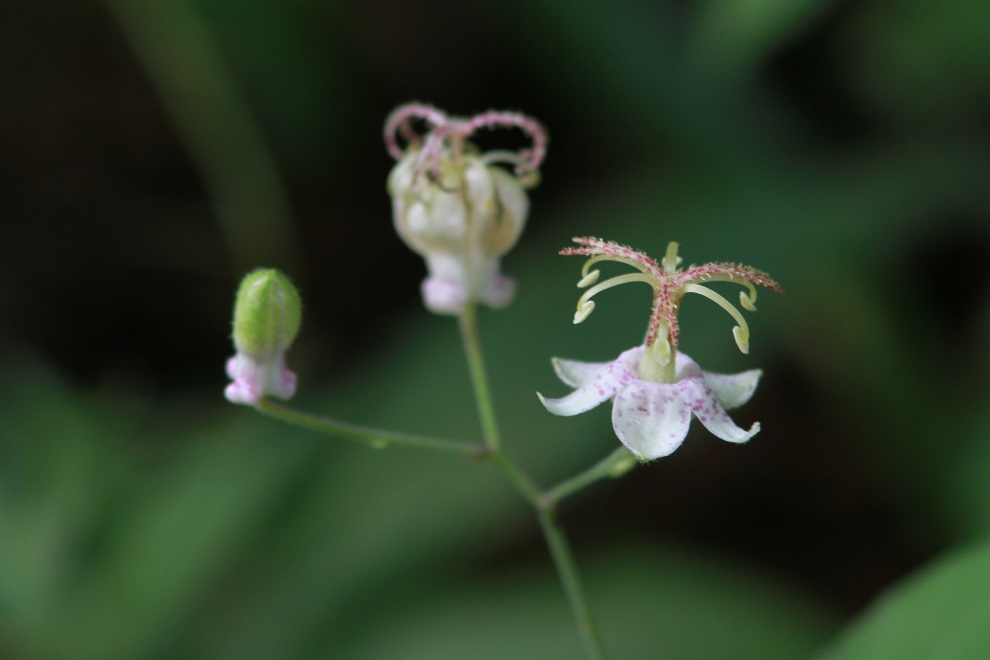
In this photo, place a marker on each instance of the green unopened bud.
(267, 315)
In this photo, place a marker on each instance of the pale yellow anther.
(741, 336)
(589, 279)
(584, 311)
(658, 363)
(741, 331)
(661, 351)
(747, 301)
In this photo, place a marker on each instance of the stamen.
(585, 305)
(661, 349)
(748, 302)
(502, 156)
(586, 267)
(741, 335)
(584, 310)
(589, 279)
(741, 331)
(608, 284)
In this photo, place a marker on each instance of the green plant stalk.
(560, 551)
(543, 503)
(563, 559)
(377, 438)
(468, 321)
(614, 465)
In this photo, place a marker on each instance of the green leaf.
(942, 612)
(733, 38)
(648, 601)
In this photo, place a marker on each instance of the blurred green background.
(153, 151)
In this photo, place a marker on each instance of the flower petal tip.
(241, 393)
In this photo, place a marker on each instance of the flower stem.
(615, 464)
(542, 503)
(377, 438)
(468, 321)
(563, 558)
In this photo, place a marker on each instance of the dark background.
(154, 152)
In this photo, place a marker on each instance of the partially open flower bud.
(267, 315)
(456, 207)
(461, 224)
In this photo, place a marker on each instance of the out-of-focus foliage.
(215, 544)
(940, 613)
(158, 149)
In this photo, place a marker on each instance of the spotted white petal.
(576, 373)
(651, 419)
(686, 367)
(603, 385)
(733, 390)
(700, 399)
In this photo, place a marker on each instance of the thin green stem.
(377, 438)
(563, 558)
(615, 464)
(520, 480)
(468, 321)
(560, 550)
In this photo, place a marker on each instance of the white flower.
(455, 206)
(652, 418)
(461, 225)
(654, 388)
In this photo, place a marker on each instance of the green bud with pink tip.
(267, 315)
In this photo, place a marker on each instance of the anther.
(584, 311)
(741, 331)
(741, 336)
(661, 351)
(748, 301)
(589, 279)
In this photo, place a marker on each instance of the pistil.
(669, 285)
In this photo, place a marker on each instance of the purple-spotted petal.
(700, 399)
(576, 373)
(733, 390)
(650, 419)
(579, 374)
(686, 367)
(604, 383)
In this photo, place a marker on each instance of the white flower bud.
(461, 214)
